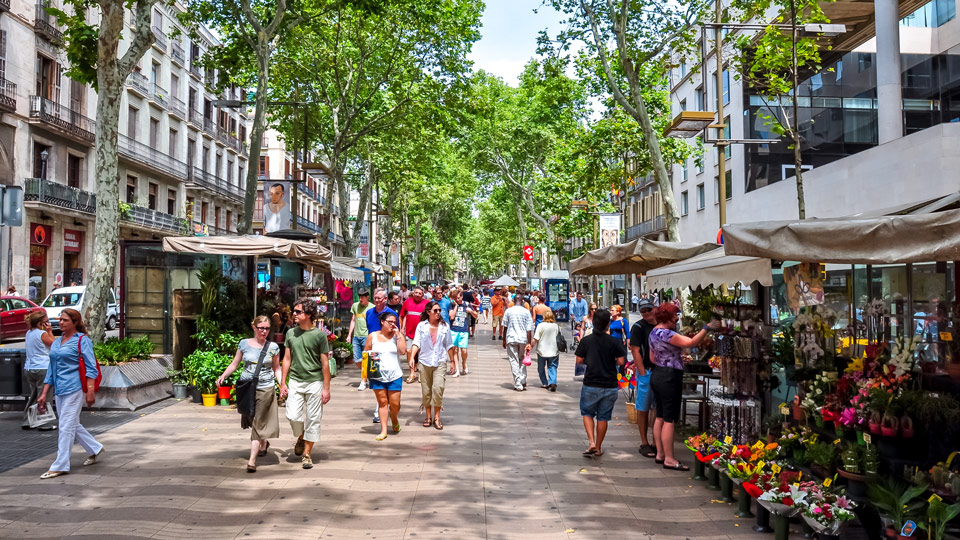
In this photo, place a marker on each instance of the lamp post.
(43, 163)
(236, 103)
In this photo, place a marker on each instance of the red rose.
(752, 489)
(787, 501)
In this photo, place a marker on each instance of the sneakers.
(306, 462)
(553, 388)
(299, 446)
(376, 416)
(363, 385)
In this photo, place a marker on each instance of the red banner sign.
(40, 235)
(72, 241)
(528, 253)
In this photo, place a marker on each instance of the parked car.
(13, 321)
(72, 297)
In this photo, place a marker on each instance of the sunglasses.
(297, 312)
(389, 322)
(435, 311)
(263, 328)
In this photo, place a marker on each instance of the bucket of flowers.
(785, 499)
(825, 511)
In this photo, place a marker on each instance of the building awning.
(850, 240)
(711, 268)
(360, 263)
(635, 257)
(346, 273)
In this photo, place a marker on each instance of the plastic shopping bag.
(526, 359)
(36, 419)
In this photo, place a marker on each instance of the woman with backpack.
(548, 353)
(73, 385)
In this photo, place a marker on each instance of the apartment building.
(278, 166)
(180, 159)
(881, 125)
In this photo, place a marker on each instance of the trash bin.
(11, 372)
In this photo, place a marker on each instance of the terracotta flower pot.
(888, 431)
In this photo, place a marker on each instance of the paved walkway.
(507, 465)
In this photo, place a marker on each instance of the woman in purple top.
(667, 380)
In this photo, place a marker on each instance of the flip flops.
(648, 451)
(676, 467)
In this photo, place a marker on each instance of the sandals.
(589, 452)
(396, 428)
(438, 424)
(92, 459)
(262, 453)
(676, 467)
(427, 422)
(251, 468)
(648, 451)
(381, 436)
(52, 474)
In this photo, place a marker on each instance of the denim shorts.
(395, 385)
(597, 402)
(644, 393)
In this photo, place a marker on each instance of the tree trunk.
(245, 225)
(523, 239)
(670, 214)
(797, 156)
(111, 77)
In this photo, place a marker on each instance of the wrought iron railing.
(215, 183)
(8, 95)
(46, 24)
(178, 108)
(177, 53)
(649, 226)
(196, 117)
(306, 224)
(61, 195)
(62, 117)
(195, 69)
(152, 219)
(138, 83)
(151, 157)
(159, 38)
(159, 95)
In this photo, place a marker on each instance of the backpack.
(561, 341)
(83, 369)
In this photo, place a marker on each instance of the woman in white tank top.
(384, 349)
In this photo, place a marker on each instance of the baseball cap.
(644, 304)
(363, 292)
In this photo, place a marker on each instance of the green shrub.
(115, 351)
(823, 454)
(203, 367)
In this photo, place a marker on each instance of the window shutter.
(55, 95)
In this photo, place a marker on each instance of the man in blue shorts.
(642, 366)
(460, 330)
(602, 354)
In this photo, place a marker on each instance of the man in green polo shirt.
(306, 361)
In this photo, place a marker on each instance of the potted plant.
(939, 514)
(822, 456)
(179, 381)
(897, 502)
(874, 423)
(906, 426)
(889, 425)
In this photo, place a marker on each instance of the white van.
(72, 297)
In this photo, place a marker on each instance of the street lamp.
(43, 163)
(236, 103)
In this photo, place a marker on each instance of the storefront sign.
(40, 235)
(72, 241)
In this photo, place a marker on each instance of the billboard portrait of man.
(276, 209)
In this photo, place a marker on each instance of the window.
(683, 69)
(229, 221)
(726, 86)
(216, 216)
(131, 189)
(3, 54)
(172, 144)
(222, 120)
(154, 132)
(701, 196)
(77, 90)
(219, 171)
(264, 166)
(194, 55)
(192, 100)
(132, 114)
(230, 172)
(73, 170)
(174, 86)
(152, 190)
(728, 187)
(243, 133)
(727, 130)
(190, 208)
(286, 168)
(241, 179)
(683, 104)
(699, 103)
(204, 211)
(686, 172)
(684, 204)
(48, 79)
(172, 202)
(155, 73)
(258, 206)
(205, 164)
(158, 20)
(41, 151)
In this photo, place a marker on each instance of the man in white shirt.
(517, 328)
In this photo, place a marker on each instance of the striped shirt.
(518, 322)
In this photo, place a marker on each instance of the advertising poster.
(363, 246)
(804, 285)
(609, 230)
(276, 206)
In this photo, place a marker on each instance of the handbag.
(561, 341)
(83, 369)
(247, 392)
(373, 366)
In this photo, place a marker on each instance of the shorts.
(460, 339)
(667, 386)
(395, 385)
(497, 320)
(597, 402)
(644, 394)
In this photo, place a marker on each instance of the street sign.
(528, 253)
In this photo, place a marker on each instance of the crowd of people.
(427, 329)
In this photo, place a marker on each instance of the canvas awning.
(635, 257)
(851, 240)
(710, 268)
(346, 273)
(506, 281)
(360, 264)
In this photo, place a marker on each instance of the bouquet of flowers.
(825, 511)
(697, 443)
(784, 498)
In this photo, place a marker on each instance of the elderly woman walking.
(253, 352)
(72, 390)
(433, 347)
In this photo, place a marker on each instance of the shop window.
(73, 170)
(932, 293)
(152, 196)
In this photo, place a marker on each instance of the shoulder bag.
(247, 392)
(561, 341)
(83, 369)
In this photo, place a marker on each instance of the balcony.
(305, 224)
(177, 108)
(159, 96)
(177, 55)
(159, 39)
(60, 195)
(156, 221)
(139, 84)
(209, 127)
(68, 122)
(195, 69)
(46, 24)
(8, 95)
(644, 228)
(303, 188)
(4, 5)
(196, 118)
(152, 158)
(216, 184)
(223, 137)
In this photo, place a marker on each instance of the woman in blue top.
(63, 375)
(618, 326)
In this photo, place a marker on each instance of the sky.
(509, 31)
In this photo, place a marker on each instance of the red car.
(13, 316)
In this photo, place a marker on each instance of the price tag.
(946, 336)
(758, 446)
(934, 497)
(867, 438)
(799, 475)
(728, 440)
(836, 441)
(827, 482)
(760, 465)
(784, 411)
(775, 468)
